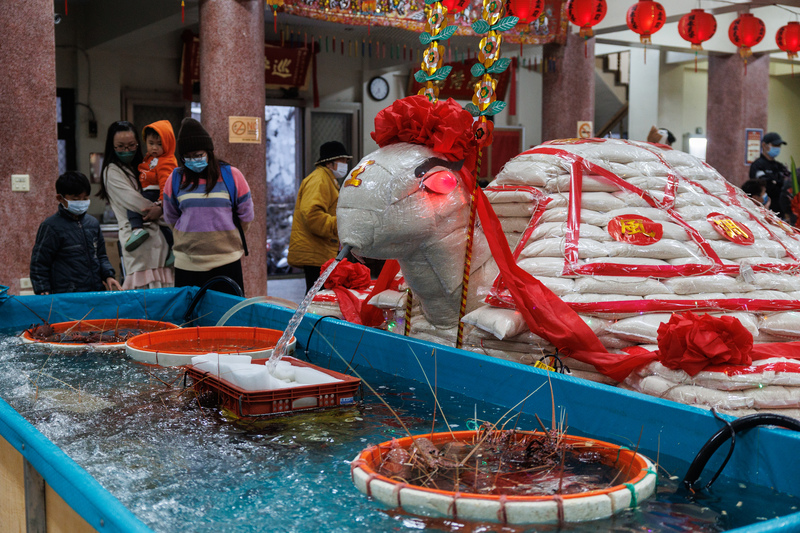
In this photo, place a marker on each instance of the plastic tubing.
(217, 279)
(729, 431)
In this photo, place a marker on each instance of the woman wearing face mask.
(314, 238)
(208, 204)
(144, 266)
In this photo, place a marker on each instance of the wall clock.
(378, 88)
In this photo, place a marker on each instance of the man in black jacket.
(70, 253)
(773, 172)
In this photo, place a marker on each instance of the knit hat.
(193, 137)
(330, 151)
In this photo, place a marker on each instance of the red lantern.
(788, 39)
(455, 6)
(645, 18)
(746, 32)
(586, 13)
(526, 10)
(697, 27)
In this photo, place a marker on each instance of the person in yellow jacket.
(314, 239)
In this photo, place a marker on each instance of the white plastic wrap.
(619, 285)
(786, 324)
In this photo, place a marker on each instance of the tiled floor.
(292, 289)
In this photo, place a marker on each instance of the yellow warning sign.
(244, 130)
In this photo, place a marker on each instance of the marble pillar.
(232, 84)
(568, 90)
(737, 99)
(27, 130)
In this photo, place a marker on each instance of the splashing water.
(280, 348)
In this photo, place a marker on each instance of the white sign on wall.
(585, 129)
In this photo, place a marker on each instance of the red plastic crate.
(279, 401)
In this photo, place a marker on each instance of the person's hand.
(112, 285)
(152, 213)
(653, 136)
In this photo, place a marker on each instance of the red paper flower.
(690, 342)
(442, 126)
(348, 275)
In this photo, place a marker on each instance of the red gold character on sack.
(735, 232)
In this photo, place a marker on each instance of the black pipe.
(187, 317)
(729, 431)
(344, 251)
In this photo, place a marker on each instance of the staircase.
(612, 75)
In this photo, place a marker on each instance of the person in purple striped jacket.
(207, 202)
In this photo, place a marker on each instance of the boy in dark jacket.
(70, 253)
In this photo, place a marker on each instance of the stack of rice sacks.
(657, 227)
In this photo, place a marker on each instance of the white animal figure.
(390, 214)
(626, 233)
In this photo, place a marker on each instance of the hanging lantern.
(586, 13)
(645, 18)
(368, 6)
(526, 10)
(788, 39)
(746, 32)
(274, 5)
(697, 27)
(455, 6)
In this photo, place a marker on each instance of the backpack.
(230, 185)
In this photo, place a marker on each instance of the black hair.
(73, 182)
(110, 155)
(670, 138)
(148, 131)
(212, 173)
(753, 187)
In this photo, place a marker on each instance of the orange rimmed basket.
(638, 484)
(89, 326)
(177, 347)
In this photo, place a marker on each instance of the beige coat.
(124, 195)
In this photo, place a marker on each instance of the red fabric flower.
(442, 126)
(348, 275)
(690, 342)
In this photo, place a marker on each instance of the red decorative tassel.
(183, 10)
(512, 97)
(66, 8)
(314, 85)
(275, 19)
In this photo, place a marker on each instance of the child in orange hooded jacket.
(157, 166)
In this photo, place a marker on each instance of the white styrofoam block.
(311, 376)
(251, 378)
(227, 369)
(284, 370)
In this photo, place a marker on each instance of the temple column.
(737, 99)
(567, 90)
(28, 130)
(232, 84)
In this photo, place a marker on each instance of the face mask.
(126, 157)
(774, 151)
(196, 164)
(341, 170)
(78, 207)
(764, 198)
